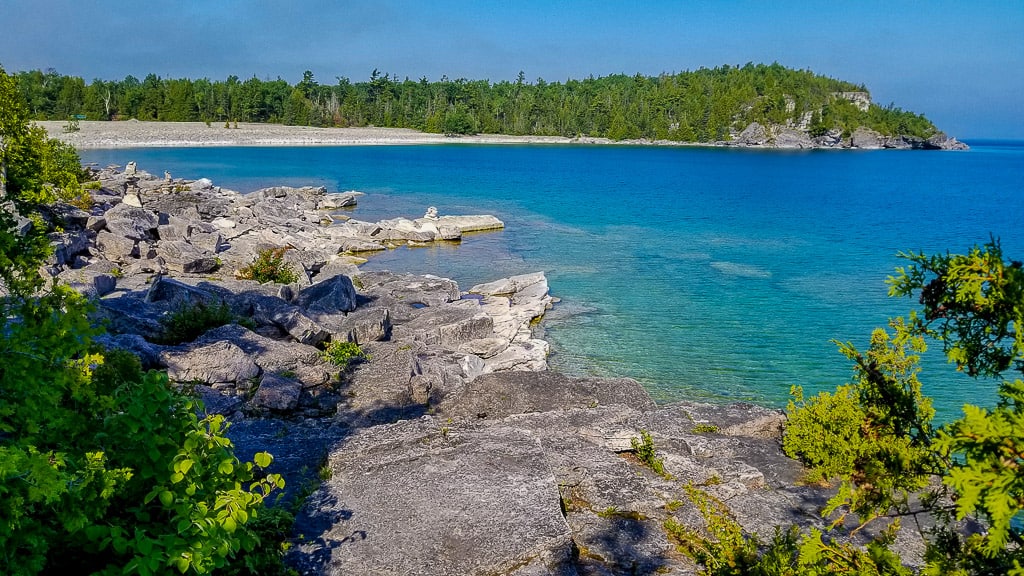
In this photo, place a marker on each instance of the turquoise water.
(704, 273)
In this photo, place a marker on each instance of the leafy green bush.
(838, 415)
(104, 469)
(270, 267)
(643, 449)
(705, 429)
(343, 354)
(189, 322)
(107, 464)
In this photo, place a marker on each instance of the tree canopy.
(703, 105)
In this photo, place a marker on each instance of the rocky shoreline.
(452, 450)
(137, 134)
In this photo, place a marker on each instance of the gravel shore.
(136, 134)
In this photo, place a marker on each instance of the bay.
(709, 274)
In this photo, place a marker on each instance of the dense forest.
(705, 105)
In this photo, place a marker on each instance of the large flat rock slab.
(416, 498)
(502, 394)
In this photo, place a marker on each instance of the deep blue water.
(704, 273)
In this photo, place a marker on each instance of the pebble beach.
(138, 134)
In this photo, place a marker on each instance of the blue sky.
(959, 63)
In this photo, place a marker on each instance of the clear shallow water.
(704, 273)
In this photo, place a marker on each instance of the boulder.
(216, 403)
(829, 139)
(277, 393)
(335, 294)
(275, 356)
(408, 292)
(68, 216)
(355, 245)
(338, 200)
(470, 223)
(364, 324)
(183, 257)
(447, 326)
(67, 245)
(178, 293)
(131, 222)
(89, 282)
(178, 229)
(210, 242)
(116, 247)
(296, 324)
(209, 364)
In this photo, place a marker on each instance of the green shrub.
(643, 449)
(189, 322)
(270, 267)
(272, 528)
(104, 469)
(343, 354)
(837, 415)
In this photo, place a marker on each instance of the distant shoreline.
(113, 135)
(94, 135)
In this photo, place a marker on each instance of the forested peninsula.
(750, 105)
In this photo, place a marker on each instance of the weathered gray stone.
(484, 347)
(299, 326)
(790, 138)
(182, 257)
(210, 363)
(67, 245)
(277, 393)
(89, 282)
(148, 353)
(448, 325)
(216, 403)
(866, 138)
(207, 241)
(338, 200)
(131, 222)
(355, 245)
(509, 286)
(470, 223)
(96, 223)
(425, 499)
(502, 394)
(179, 293)
(410, 290)
(68, 216)
(364, 324)
(176, 231)
(116, 247)
(753, 135)
(336, 294)
(275, 356)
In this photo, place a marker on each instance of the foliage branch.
(104, 468)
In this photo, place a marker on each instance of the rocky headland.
(451, 450)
